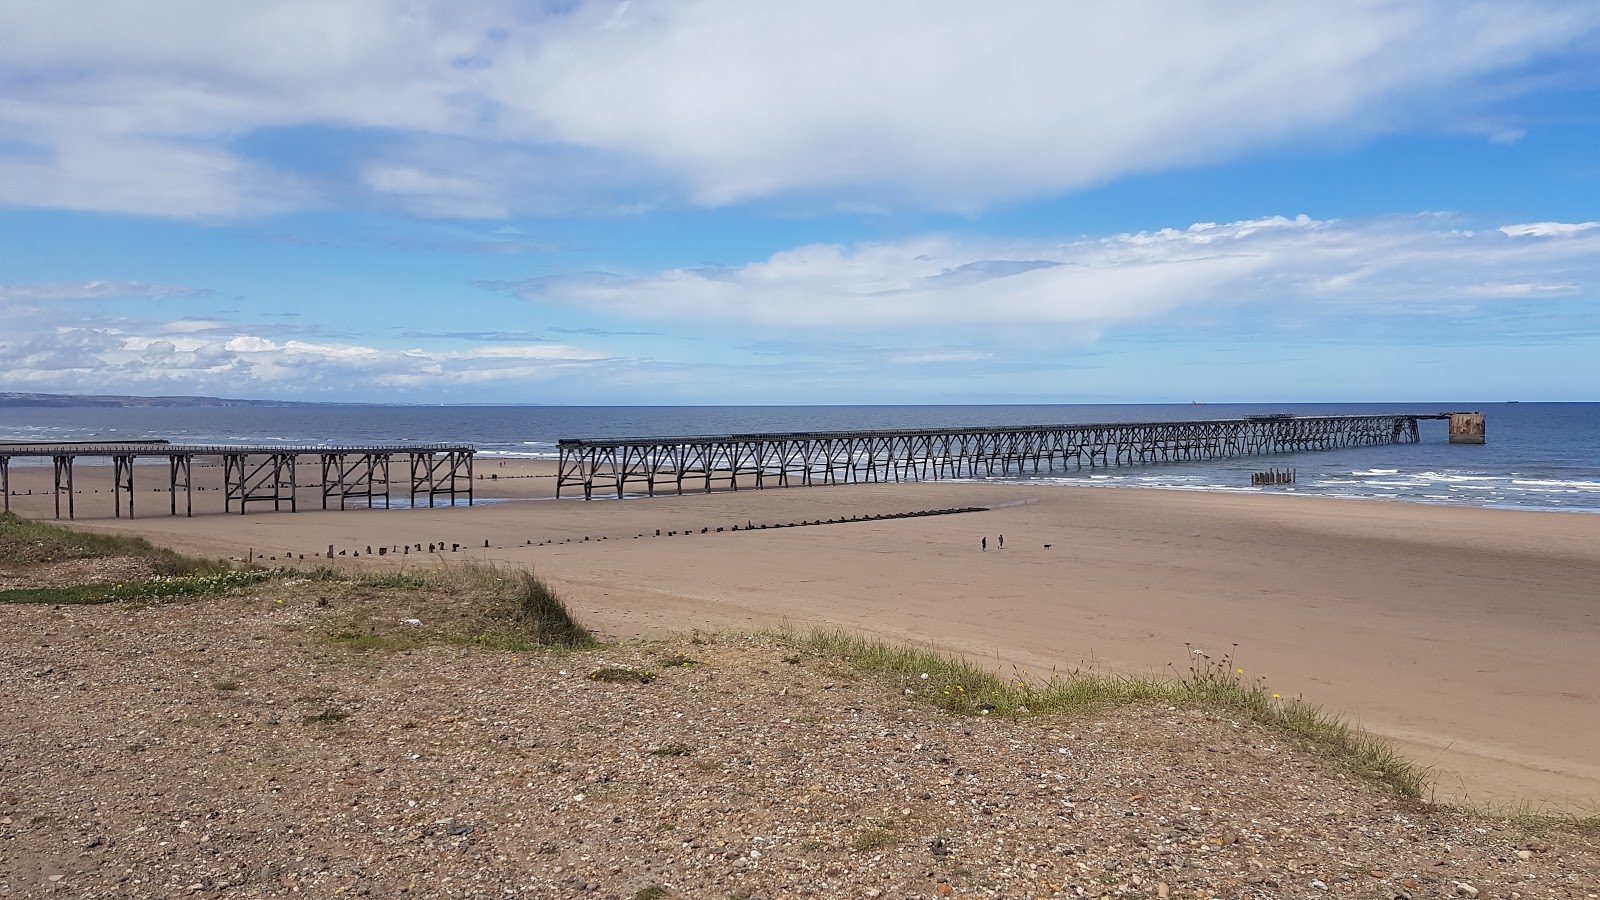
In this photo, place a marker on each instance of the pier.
(255, 474)
(705, 462)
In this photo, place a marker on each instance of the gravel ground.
(226, 747)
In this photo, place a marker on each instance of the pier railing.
(734, 461)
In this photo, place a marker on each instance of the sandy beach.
(1466, 635)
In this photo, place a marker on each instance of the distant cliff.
(12, 399)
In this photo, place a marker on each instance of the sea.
(1539, 456)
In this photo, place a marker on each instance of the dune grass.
(514, 609)
(962, 687)
(521, 611)
(26, 542)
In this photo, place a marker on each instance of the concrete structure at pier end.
(1466, 428)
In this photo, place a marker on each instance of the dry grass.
(962, 687)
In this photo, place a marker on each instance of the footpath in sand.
(1466, 635)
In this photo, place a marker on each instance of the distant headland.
(15, 399)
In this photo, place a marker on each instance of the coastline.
(1464, 634)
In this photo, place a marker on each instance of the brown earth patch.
(238, 746)
(64, 572)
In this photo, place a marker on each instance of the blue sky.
(706, 201)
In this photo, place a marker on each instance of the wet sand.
(1467, 635)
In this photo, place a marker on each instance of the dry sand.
(1467, 635)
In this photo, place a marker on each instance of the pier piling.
(618, 466)
(254, 474)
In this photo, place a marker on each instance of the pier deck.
(647, 465)
(256, 474)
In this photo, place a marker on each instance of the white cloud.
(1522, 289)
(1547, 229)
(192, 326)
(1398, 265)
(176, 107)
(103, 359)
(94, 290)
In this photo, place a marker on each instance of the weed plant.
(964, 688)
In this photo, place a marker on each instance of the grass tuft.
(522, 612)
(356, 639)
(330, 716)
(617, 675)
(871, 839)
(960, 687)
(26, 542)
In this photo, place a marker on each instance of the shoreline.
(1462, 633)
(95, 477)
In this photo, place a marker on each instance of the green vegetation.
(871, 839)
(355, 639)
(25, 542)
(615, 675)
(524, 611)
(402, 581)
(671, 750)
(506, 610)
(330, 716)
(158, 587)
(963, 688)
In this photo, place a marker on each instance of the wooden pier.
(651, 465)
(256, 474)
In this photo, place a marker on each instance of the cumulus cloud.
(100, 359)
(489, 109)
(1403, 265)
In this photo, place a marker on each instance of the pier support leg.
(122, 480)
(181, 470)
(63, 465)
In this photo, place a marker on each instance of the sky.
(725, 202)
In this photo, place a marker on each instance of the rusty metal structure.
(647, 466)
(256, 474)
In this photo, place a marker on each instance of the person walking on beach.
(984, 543)
(1000, 544)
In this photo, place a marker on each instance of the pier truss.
(253, 474)
(708, 462)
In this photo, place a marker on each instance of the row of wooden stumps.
(1273, 476)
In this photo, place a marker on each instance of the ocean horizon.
(1539, 456)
